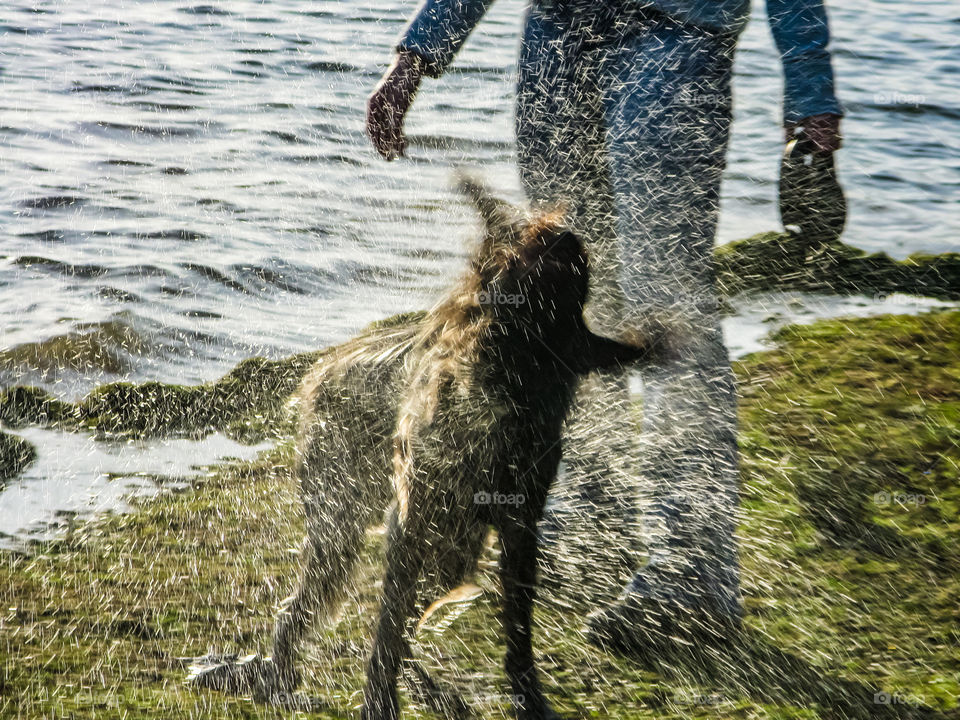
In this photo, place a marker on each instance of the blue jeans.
(627, 124)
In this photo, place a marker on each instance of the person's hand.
(822, 130)
(389, 102)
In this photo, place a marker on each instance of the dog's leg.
(336, 520)
(605, 354)
(405, 558)
(452, 561)
(518, 562)
(456, 558)
(327, 566)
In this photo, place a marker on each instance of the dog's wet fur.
(483, 385)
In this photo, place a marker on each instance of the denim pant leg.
(668, 116)
(632, 134)
(588, 544)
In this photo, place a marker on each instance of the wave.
(158, 131)
(451, 142)
(278, 274)
(175, 234)
(204, 10)
(108, 292)
(50, 236)
(217, 276)
(108, 89)
(287, 137)
(52, 202)
(274, 274)
(331, 66)
(908, 105)
(156, 106)
(59, 267)
(119, 162)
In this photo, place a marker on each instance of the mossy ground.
(850, 542)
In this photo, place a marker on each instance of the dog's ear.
(502, 221)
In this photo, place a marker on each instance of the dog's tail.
(501, 219)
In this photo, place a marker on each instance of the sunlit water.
(191, 184)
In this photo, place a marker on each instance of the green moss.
(23, 405)
(89, 347)
(875, 433)
(848, 592)
(151, 408)
(247, 403)
(778, 261)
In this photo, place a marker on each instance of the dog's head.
(523, 296)
(529, 268)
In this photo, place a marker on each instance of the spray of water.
(203, 437)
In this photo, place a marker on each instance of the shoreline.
(745, 270)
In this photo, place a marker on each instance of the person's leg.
(668, 116)
(560, 137)
(585, 535)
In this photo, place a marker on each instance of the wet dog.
(484, 383)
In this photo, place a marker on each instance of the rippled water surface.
(185, 185)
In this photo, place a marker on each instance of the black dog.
(478, 434)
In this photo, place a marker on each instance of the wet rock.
(90, 347)
(780, 261)
(150, 408)
(25, 405)
(16, 455)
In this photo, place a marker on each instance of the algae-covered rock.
(16, 454)
(780, 261)
(255, 389)
(867, 416)
(89, 347)
(257, 383)
(25, 405)
(150, 408)
(247, 403)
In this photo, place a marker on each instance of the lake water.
(184, 186)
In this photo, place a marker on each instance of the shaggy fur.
(485, 384)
